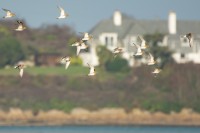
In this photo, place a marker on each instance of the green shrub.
(163, 106)
(116, 65)
(10, 51)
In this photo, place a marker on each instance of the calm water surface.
(99, 129)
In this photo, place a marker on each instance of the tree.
(116, 65)
(109, 63)
(10, 51)
(104, 55)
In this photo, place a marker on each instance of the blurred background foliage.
(115, 85)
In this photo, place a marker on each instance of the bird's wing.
(19, 22)
(139, 50)
(139, 39)
(83, 45)
(86, 35)
(6, 10)
(78, 49)
(75, 44)
(151, 56)
(20, 26)
(136, 45)
(9, 13)
(21, 72)
(67, 64)
(89, 65)
(62, 11)
(190, 43)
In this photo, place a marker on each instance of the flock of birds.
(141, 51)
(82, 45)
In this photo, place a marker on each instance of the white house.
(121, 30)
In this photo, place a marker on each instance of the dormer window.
(106, 41)
(109, 40)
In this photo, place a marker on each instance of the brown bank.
(106, 116)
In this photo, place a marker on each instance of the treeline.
(16, 46)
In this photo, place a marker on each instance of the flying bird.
(86, 36)
(189, 37)
(75, 44)
(21, 26)
(142, 42)
(20, 67)
(139, 50)
(92, 70)
(66, 60)
(81, 46)
(9, 14)
(117, 51)
(151, 60)
(63, 14)
(156, 71)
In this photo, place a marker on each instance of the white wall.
(190, 57)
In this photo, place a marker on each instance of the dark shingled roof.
(108, 26)
(130, 26)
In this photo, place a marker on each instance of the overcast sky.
(84, 14)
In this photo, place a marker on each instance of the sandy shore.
(106, 116)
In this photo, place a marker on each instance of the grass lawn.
(73, 70)
(59, 70)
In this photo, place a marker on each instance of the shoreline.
(102, 117)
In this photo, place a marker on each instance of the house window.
(182, 55)
(111, 41)
(106, 41)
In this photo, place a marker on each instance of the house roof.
(186, 26)
(131, 26)
(108, 26)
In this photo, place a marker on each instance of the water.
(99, 129)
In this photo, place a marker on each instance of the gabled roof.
(108, 26)
(131, 26)
(186, 26)
(153, 26)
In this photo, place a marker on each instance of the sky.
(85, 14)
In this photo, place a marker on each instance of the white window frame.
(111, 40)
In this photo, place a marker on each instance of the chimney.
(172, 22)
(117, 18)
